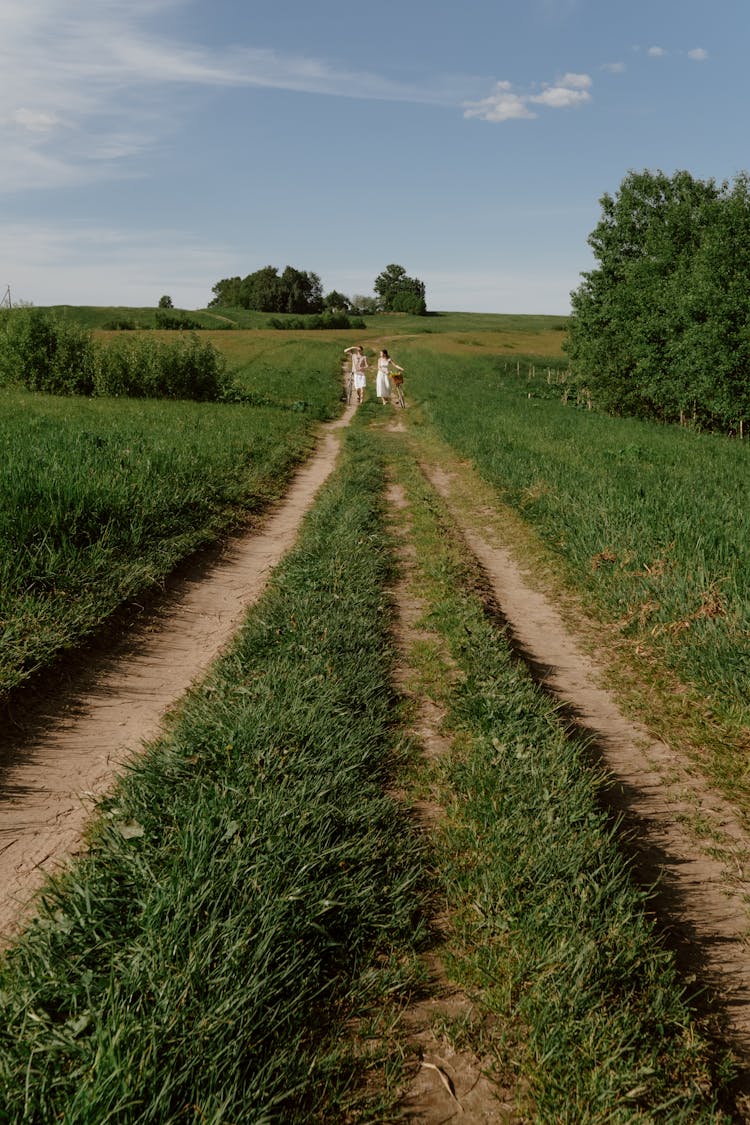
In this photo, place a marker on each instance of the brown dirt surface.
(686, 839)
(56, 763)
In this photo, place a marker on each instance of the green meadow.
(240, 939)
(101, 498)
(647, 524)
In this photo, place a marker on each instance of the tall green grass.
(549, 933)
(99, 499)
(649, 522)
(289, 372)
(250, 894)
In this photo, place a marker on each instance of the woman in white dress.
(359, 367)
(383, 384)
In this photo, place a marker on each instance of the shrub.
(46, 353)
(319, 320)
(407, 302)
(177, 321)
(141, 368)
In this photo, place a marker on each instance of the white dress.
(359, 365)
(383, 382)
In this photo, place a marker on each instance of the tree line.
(301, 292)
(661, 326)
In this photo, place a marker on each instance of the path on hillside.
(683, 834)
(53, 770)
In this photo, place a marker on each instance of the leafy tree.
(165, 302)
(336, 302)
(627, 323)
(713, 352)
(394, 287)
(261, 291)
(301, 292)
(295, 291)
(226, 293)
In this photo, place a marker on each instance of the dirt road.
(52, 771)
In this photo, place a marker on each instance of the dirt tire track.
(52, 778)
(703, 890)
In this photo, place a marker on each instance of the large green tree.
(398, 292)
(629, 318)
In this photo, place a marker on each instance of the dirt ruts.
(54, 767)
(687, 840)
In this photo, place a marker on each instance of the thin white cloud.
(614, 67)
(506, 104)
(82, 84)
(656, 52)
(698, 54)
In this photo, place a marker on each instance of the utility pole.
(6, 302)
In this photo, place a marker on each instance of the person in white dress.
(359, 368)
(383, 384)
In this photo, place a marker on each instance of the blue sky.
(157, 146)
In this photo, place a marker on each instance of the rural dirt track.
(703, 886)
(52, 768)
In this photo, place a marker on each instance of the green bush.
(409, 303)
(177, 321)
(319, 320)
(45, 353)
(140, 368)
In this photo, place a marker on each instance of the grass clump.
(250, 892)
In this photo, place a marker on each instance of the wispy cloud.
(614, 67)
(656, 52)
(698, 54)
(506, 104)
(82, 85)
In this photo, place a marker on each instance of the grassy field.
(548, 932)
(244, 931)
(101, 498)
(648, 524)
(250, 895)
(239, 941)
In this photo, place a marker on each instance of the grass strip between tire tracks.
(249, 891)
(549, 933)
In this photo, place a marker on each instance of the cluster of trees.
(661, 327)
(301, 292)
(293, 291)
